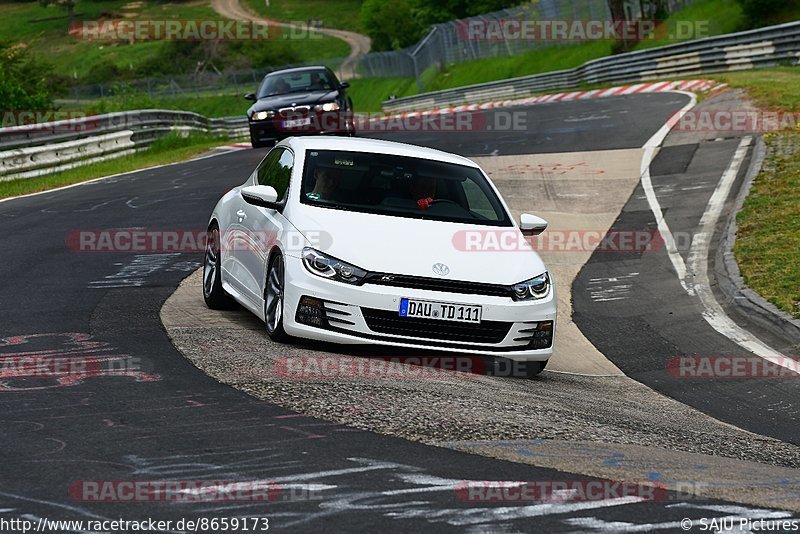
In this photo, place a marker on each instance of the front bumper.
(330, 123)
(368, 314)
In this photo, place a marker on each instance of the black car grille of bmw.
(437, 284)
(389, 322)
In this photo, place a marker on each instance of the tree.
(759, 13)
(618, 15)
(394, 24)
(391, 24)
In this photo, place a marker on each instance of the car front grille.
(302, 110)
(438, 284)
(390, 322)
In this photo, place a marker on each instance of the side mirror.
(251, 96)
(263, 196)
(344, 85)
(531, 224)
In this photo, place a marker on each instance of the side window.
(269, 161)
(276, 170)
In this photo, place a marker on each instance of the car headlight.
(533, 289)
(263, 115)
(328, 106)
(327, 267)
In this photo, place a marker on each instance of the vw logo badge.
(441, 269)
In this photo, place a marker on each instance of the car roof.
(298, 69)
(356, 144)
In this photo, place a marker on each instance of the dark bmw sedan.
(301, 101)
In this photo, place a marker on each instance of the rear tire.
(215, 296)
(273, 299)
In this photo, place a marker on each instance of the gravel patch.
(447, 406)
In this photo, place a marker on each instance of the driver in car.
(316, 83)
(281, 87)
(421, 191)
(325, 185)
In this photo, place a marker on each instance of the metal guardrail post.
(34, 150)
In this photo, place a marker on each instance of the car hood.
(398, 245)
(309, 98)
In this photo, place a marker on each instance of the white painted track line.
(650, 149)
(696, 281)
(698, 265)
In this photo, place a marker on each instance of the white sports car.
(360, 241)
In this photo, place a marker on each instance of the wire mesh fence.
(448, 43)
(188, 86)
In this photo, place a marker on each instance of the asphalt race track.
(655, 319)
(142, 412)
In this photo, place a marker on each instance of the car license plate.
(426, 309)
(297, 123)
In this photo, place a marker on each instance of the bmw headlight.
(327, 267)
(263, 115)
(328, 106)
(533, 289)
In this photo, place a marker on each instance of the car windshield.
(278, 84)
(400, 186)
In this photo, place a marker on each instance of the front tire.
(507, 368)
(534, 369)
(273, 299)
(213, 294)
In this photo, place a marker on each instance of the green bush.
(395, 24)
(391, 24)
(761, 12)
(23, 80)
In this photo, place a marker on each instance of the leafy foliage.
(762, 12)
(188, 57)
(23, 80)
(395, 24)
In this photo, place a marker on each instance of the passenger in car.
(423, 187)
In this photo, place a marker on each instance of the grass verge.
(768, 234)
(169, 149)
(40, 30)
(368, 94)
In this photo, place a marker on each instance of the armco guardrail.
(38, 149)
(763, 47)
